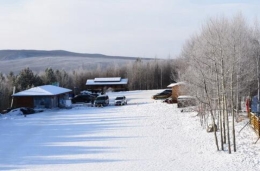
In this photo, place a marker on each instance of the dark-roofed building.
(102, 84)
(47, 96)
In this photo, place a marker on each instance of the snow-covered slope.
(145, 135)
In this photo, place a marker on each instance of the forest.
(142, 75)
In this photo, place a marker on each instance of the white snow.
(45, 90)
(145, 135)
(175, 84)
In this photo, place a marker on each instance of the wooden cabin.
(47, 96)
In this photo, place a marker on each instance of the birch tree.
(215, 57)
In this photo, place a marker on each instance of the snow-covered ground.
(145, 135)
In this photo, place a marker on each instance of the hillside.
(39, 60)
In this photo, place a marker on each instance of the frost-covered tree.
(219, 63)
(49, 76)
(63, 78)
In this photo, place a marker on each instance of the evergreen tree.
(25, 79)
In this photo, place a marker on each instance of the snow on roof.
(107, 79)
(175, 84)
(186, 97)
(121, 82)
(46, 90)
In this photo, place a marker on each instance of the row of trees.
(142, 75)
(222, 67)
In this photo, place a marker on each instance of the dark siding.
(99, 88)
(23, 102)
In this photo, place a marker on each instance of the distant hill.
(18, 54)
(39, 60)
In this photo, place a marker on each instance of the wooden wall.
(177, 91)
(26, 101)
(99, 88)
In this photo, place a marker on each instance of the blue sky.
(140, 28)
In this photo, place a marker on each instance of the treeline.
(222, 68)
(142, 75)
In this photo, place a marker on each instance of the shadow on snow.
(60, 138)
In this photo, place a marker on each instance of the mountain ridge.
(38, 60)
(8, 54)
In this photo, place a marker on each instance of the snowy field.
(145, 135)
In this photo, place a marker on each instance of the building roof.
(45, 90)
(176, 84)
(107, 81)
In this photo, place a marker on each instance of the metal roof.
(46, 90)
(122, 81)
(175, 84)
(108, 79)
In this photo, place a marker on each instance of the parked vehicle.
(94, 94)
(163, 95)
(185, 101)
(102, 100)
(85, 98)
(169, 100)
(120, 100)
(89, 93)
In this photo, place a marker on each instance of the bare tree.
(215, 58)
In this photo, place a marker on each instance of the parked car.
(185, 101)
(94, 94)
(163, 95)
(85, 98)
(84, 92)
(120, 100)
(102, 100)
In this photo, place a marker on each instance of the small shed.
(101, 84)
(46, 96)
(177, 90)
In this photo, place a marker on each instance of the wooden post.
(13, 97)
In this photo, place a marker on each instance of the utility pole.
(258, 76)
(12, 102)
(161, 77)
(258, 82)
